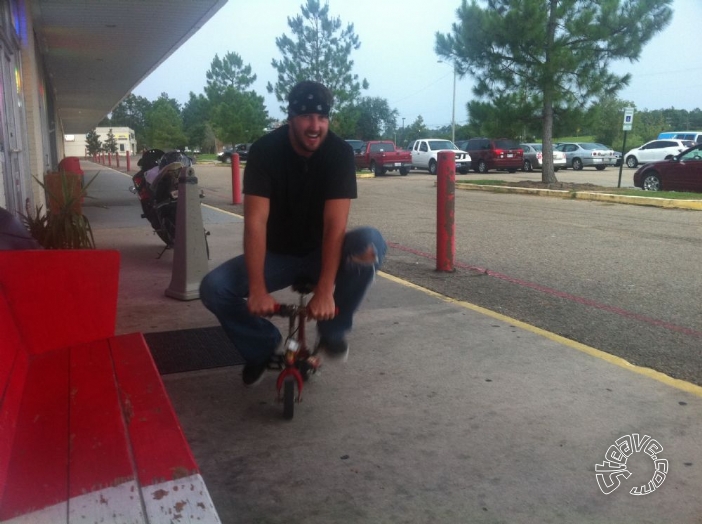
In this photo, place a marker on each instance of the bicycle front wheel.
(288, 398)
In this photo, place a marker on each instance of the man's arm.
(256, 211)
(336, 214)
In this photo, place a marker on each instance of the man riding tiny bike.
(299, 181)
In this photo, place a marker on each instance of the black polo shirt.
(298, 187)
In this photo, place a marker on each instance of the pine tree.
(551, 54)
(320, 50)
(93, 143)
(110, 145)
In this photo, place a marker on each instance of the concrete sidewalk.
(443, 413)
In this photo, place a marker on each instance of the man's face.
(308, 132)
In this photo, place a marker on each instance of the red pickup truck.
(381, 156)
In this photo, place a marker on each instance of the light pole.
(453, 106)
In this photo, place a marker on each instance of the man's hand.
(261, 305)
(321, 306)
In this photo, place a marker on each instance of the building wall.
(38, 156)
(125, 137)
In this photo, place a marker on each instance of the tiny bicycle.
(298, 362)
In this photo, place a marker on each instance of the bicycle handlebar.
(290, 310)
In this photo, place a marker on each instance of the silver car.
(584, 154)
(533, 157)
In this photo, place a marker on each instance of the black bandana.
(308, 102)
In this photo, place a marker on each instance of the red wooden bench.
(87, 431)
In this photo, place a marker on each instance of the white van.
(695, 136)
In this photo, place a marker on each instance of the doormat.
(192, 349)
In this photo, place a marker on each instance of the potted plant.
(64, 226)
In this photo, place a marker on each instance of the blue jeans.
(224, 290)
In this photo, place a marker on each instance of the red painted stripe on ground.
(561, 294)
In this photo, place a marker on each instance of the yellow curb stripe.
(213, 208)
(668, 203)
(617, 361)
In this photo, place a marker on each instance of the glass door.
(11, 155)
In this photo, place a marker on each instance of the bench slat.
(102, 482)
(38, 466)
(160, 448)
(9, 410)
(10, 344)
(172, 487)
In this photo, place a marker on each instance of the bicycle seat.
(303, 285)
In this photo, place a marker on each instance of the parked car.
(584, 154)
(381, 156)
(533, 157)
(694, 136)
(357, 145)
(493, 153)
(656, 150)
(683, 172)
(617, 158)
(425, 153)
(241, 149)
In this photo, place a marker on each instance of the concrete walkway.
(444, 412)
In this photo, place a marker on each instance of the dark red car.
(683, 172)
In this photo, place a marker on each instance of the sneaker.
(335, 349)
(253, 373)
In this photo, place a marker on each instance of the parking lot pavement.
(444, 412)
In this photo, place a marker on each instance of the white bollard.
(190, 250)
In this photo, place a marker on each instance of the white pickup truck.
(425, 152)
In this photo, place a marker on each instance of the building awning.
(97, 52)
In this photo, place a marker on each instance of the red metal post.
(109, 159)
(117, 158)
(129, 165)
(236, 180)
(445, 210)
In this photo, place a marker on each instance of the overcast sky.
(397, 56)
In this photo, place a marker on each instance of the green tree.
(164, 126)
(320, 50)
(229, 71)
(93, 143)
(110, 145)
(376, 118)
(344, 122)
(417, 129)
(235, 114)
(556, 54)
(368, 119)
(131, 112)
(196, 121)
(239, 116)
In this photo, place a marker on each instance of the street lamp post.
(453, 106)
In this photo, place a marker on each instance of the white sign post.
(628, 118)
(628, 123)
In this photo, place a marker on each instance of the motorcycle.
(156, 185)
